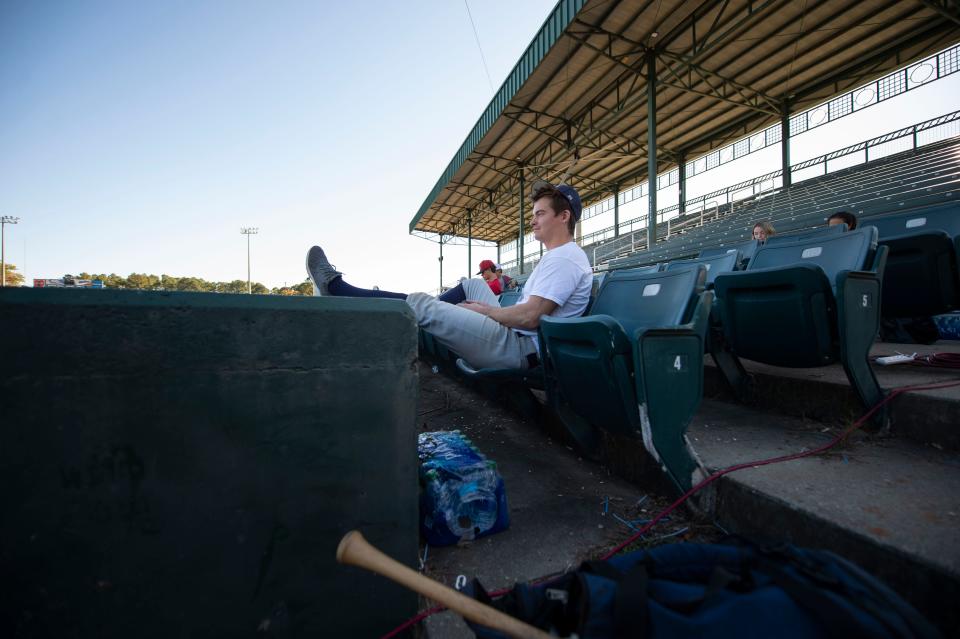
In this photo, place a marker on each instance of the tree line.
(145, 282)
(13, 278)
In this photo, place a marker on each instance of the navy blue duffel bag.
(739, 589)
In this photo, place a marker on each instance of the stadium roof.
(575, 105)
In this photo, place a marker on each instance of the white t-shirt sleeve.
(557, 279)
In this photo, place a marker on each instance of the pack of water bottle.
(462, 495)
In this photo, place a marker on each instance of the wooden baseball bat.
(355, 550)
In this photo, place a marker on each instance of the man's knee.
(420, 303)
(474, 287)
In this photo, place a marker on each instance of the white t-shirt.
(563, 276)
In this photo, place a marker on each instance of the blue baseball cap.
(566, 191)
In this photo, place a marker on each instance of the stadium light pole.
(248, 231)
(4, 220)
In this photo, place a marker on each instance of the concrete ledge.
(180, 464)
(824, 393)
(891, 506)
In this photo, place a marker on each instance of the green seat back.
(509, 298)
(590, 358)
(637, 298)
(921, 277)
(943, 217)
(745, 250)
(714, 265)
(782, 310)
(851, 251)
(799, 236)
(784, 317)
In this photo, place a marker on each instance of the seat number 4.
(679, 363)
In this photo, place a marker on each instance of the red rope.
(706, 482)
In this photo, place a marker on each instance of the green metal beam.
(651, 148)
(616, 211)
(523, 196)
(785, 144)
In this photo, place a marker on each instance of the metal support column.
(498, 251)
(785, 143)
(469, 242)
(651, 149)
(616, 210)
(440, 259)
(522, 215)
(682, 182)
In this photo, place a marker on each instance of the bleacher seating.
(723, 263)
(927, 176)
(922, 276)
(820, 231)
(804, 304)
(634, 366)
(743, 250)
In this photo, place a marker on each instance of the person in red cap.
(468, 320)
(488, 271)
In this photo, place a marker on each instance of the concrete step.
(824, 394)
(888, 504)
(556, 500)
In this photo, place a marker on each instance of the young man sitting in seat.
(488, 271)
(468, 320)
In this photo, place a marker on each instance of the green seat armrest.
(596, 329)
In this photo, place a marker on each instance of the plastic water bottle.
(462, 494)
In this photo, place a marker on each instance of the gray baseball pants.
(481, 341)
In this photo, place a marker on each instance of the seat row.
(633, 366)
(907, 180)
(923, 269)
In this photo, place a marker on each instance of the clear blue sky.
(140, 136)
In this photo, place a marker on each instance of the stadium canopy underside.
(577, 106)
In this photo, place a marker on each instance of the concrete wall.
(184, 464)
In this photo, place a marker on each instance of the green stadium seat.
(634, 366)
(804, 304)
(743, 250)
(509, 298)
(943, 217)
(922, 276)
(723, 263)
(800, 236)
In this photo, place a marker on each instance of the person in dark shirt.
(843, 217)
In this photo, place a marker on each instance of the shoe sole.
(316, 289)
